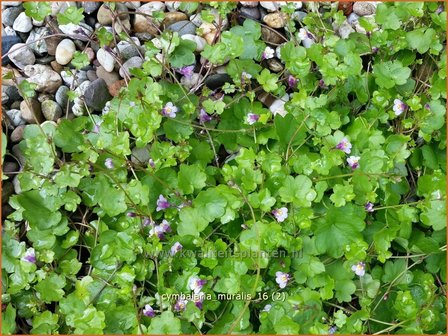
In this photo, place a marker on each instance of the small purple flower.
(29, 256)
(96, 128)
(267, 53)
(267, 308)
(282, 279)
(359, 269)
(195, 284)
(292, 81)
(252, 118)
(344, 145)
(399, 107)
(147, 221)
(322, 84)
(353, 161)
(158, 231)
(305, 34)
(162, 203)
(332, 330)
(131, 214)
(199, 299)
(204, 116)
(109, 164)
(439, 9)
(151, 163)
(148, 311)
(369, 207)
(375, 50)
(280, 214)
(170, 110)
(176, 248)
(187, 71)
(180, 304)
(427, 106)
(165, 225)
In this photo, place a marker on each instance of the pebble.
(134, 62)
(11, 3)
(21, 55)
(132, 4)
(18, 154)
(299, 16)
(191, 81)
(144, 23)
(173, 17)
(173, 6)
(109, 77)
(275, 65)
(7, 43)
(9, 15)
(106, 60)
(97, 95)
(51, 110)
(104, 16)
(12, 92)
(271, 36)
(127, 50)
(47, 80)
(90, 6)
(183, 27)
(22, 23)
(79, 107)
(10, 167)
(249, 3)
(352, 18)
(15, 117)
(65, 51)
(17, 134)
(52, 43)
(140, 155)
(31, 111)
(75, 77)
(74, 31)
(345, 29)
(91, 75)
(115, 88)
(200, 41)
(271, 6)
(364, 8)
(250, 12)
(153, 6)
(216, 81)
(61, 96)
(36, 41)
(276, 20)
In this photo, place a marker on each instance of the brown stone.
(276, 20)
(31, 111)
(52, 44)
(109, 77)
(17, 134)
(271, 36)
(172, 17)
(56, 66)
(114, 88)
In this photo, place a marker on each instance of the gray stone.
(299, 16)
(345, 30)
(249, 3)
(75, 77)
(127, 50)
(10, 167)
(183, 27)
(364, 8)
(217, 80)
(134, 62)
(91, 75)
(21, 55)
(40, 46)
(31, 111)
(250, 12)
(80, 32)
(140, 155)
(12, 93)
(97, 95)
(22, 23)
(9, 15)
(51, 110)
(15, 116)
(47, 80)
(90, 6)
(200, 41)
(61, 96)
(7, 43)
(144, 36)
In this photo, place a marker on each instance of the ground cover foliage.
(325, 214)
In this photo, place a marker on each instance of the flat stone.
(21, 55)
(183, 27)
(134, 62)
(9, 15)
(47, 80)
(31, 111)
(97, 95)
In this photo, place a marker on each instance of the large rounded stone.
(51, 110)
(183, 27)
(65, 51)
(22, 23)
(21, 55)
(46, 79)
(31, 111)
(97, 95)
